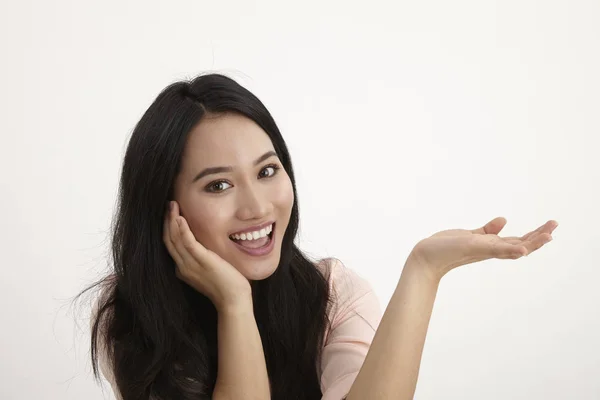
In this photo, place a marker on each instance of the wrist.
(417, 268)
(240, 305)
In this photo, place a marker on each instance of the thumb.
(493, 227)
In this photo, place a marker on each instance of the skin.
(247, 196)
(196, 233)
(391, 368)
(205, 261)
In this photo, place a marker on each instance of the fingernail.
(170, 206)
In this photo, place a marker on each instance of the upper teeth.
(253, 235)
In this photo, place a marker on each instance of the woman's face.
(232, 182)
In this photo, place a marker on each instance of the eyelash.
(275, 167)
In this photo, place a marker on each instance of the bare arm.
(391, 367)
(242, 370)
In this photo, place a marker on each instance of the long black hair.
(161, 333)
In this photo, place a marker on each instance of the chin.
(259, 271)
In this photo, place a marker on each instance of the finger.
(520, 240)
(178, 239)
(503, 250)
(537, 242)
(492, 227)
(185, 259)
(192, 252)
(512, 239)
(548, 227)
(168, 227)
(484, 247)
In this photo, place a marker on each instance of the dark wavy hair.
(162, 333)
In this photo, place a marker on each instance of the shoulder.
(344, 281)
(355, 314)
(349, 290)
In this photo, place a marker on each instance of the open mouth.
(255, 240)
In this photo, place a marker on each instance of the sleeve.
(103, 356)
(106, 371)
(356, 314)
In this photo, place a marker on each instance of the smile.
(255, 243)
(254, 235)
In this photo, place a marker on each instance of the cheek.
(284, 195)
(205, 221)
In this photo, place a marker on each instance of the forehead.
(225, 140)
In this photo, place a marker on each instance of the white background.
(402, 118)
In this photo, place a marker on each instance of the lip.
(253, 228)
(262, 251)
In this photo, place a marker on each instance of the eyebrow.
(218, 170)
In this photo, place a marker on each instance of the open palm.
(451, 248)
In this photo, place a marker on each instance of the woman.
(211, 299)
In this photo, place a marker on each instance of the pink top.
(354, 315)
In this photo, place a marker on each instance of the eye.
(217, 186)
(270, 169)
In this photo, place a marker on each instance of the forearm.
(391, 367)
(242, 372)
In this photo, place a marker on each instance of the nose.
(253, 204)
